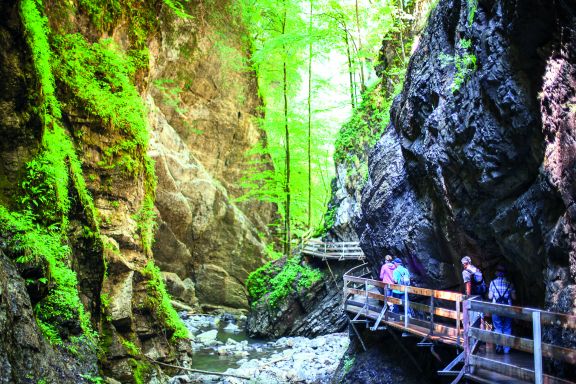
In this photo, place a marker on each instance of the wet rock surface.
(309, 312)
(479, 170)
(385, 362)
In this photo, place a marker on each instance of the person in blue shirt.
(401, 276)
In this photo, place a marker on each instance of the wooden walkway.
(333, 250)
(453, 319)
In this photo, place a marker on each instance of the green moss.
(140, 371)
(36, 28)
(273, 281)
(146, 223)
(366, 125)
(37, 234)
(472, 8)
(32, 244)
(160, 302)
(348, 363)
(92, 379)
(463, 61)
(100, 76)
(178, 8)
(131, 348)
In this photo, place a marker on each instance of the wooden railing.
(452, 318)
(434, 315)
(333, 250)
(534, 346)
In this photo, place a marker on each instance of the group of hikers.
(501, 290)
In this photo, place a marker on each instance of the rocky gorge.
(127, 128)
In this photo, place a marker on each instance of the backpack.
(404, 277)
(503, 298)
(478, 284)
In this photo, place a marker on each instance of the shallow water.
(208, 358)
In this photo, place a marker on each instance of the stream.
(221, 344)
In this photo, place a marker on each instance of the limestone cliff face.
(484, 168)
(203, 107)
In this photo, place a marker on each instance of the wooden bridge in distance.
(452, 318)
(333, 250)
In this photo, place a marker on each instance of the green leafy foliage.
(36, 28)
(178, 8)
(100, 76)
(464, 62)
(140, 370)
(472, 8)
(366, 125)
(160, 302)
(276, 280)
(131, 348)
(348, 363)
(146, 222)
(30, 243)
(92, 379)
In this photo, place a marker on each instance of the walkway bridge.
(333, 250)
(453, 319)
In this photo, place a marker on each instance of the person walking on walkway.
(502, 291)
(400, 276)
(387, 275)
(473, 279)
(387, 271)
(474, 284)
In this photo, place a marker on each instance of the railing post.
(386, 300)
(537, 331)
(466, 340)
(458, 304)
(432, 314)
(366, 294)
(405, 306)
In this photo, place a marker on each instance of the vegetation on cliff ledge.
(278, 279)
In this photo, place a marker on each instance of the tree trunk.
(287, 245)
(362, 80)
(310, 119)
(350, 71)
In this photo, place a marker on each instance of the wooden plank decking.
(451, 318)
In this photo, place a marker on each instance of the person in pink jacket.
(386, 273)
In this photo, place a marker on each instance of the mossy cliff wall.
(84, 87)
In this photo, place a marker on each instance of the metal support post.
(405, 307)
(536, 327)
(458, 319)
(466, 341)
(432, 315)
(366, 295)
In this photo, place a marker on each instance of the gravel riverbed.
(286, 360)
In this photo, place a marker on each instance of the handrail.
(522, 313)
(368, 297)
(333, 250)
(349, 272)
